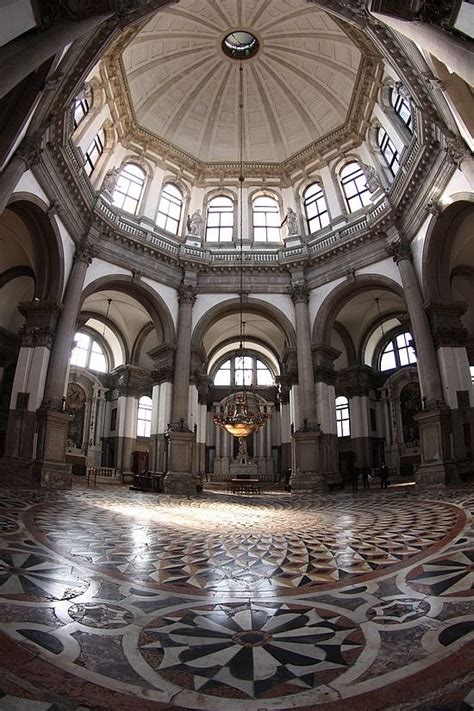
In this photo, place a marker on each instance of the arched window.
(343, 420)
(220, 220)
(129, 188)
(388, 150)
(244, 370)
(355, 187)
(81, 107)
(315, 208)
(170, 208)
(144, 416)
(402, 107)
(266, 219)
(398, 352)
(87, 353)
(94, 151)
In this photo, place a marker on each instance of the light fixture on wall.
(241, 415)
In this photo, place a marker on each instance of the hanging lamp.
(241, 415)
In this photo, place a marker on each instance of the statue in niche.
(75, 406)
(372, 179)
(195, 224)
(109, 182)
(291, 219)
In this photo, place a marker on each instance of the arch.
(87, 314)
(139, 341)
(346, 338)
(16, 272)
(230, 306)
(144, 294)
(437, 248)
(47, 244)
(341, 294)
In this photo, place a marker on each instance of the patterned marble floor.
(111, 599)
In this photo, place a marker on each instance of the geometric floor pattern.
(111, 599)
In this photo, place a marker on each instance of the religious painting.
(75, 406)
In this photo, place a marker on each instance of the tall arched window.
(315, 208)
(343, 420)
(220, 220)
(170, 208)
(144, 416)
(129, 188)
(81, 107)
(94, 151)
(87, 353)
(355, 188)
(388, 150)
(266, 219)
(244, 370)
(402, 107)
(398, 352)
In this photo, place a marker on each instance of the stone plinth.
(436, 464)
(179, 478)
(307, 476)
(50, 470)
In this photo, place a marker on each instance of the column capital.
(40, 325)
(186, 294)
(30, 150)
(456, 150)
(399, 250)
(356, 381)
(299, 293)
(446, 325)
(85, 251)
(131, 381)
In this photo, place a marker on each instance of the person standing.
(383, 476)
(355, 476)
(365, 478)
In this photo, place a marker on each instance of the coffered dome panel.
(296, 88)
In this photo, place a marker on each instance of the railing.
(103, 475)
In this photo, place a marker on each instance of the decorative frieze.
(132, 381)
(446, 325)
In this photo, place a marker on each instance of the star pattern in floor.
(113, 599)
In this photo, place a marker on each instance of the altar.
(247, 470)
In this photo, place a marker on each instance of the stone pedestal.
(179, 478)
(307, 476)
(50, 470)
(436, 465)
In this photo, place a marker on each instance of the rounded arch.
(438, 245)
(230, 306)
(340, 295)
(144, 294)
(139, 341)
(46, 241)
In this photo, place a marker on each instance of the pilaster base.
(181, 483)
(52, 475)
(436, 465)
(309, 482)
(308, 476)
(50, 470)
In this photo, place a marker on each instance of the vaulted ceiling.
(296, 89)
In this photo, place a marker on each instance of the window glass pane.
(97, 362)
(264, 377)
(222, 377)
(388, 361)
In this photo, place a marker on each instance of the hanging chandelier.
(241, 415)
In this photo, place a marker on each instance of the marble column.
(451, 341)
(307, 474)
(50, 468)
(460, 156)
(37, 335)
(27, 155)
(179, 478)
(325, 379)
(449, 49)
(434, 420)
(430, 381)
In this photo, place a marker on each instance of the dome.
(298, 84)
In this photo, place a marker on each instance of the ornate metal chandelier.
(241, 415)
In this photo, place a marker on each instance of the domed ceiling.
(296, 89)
